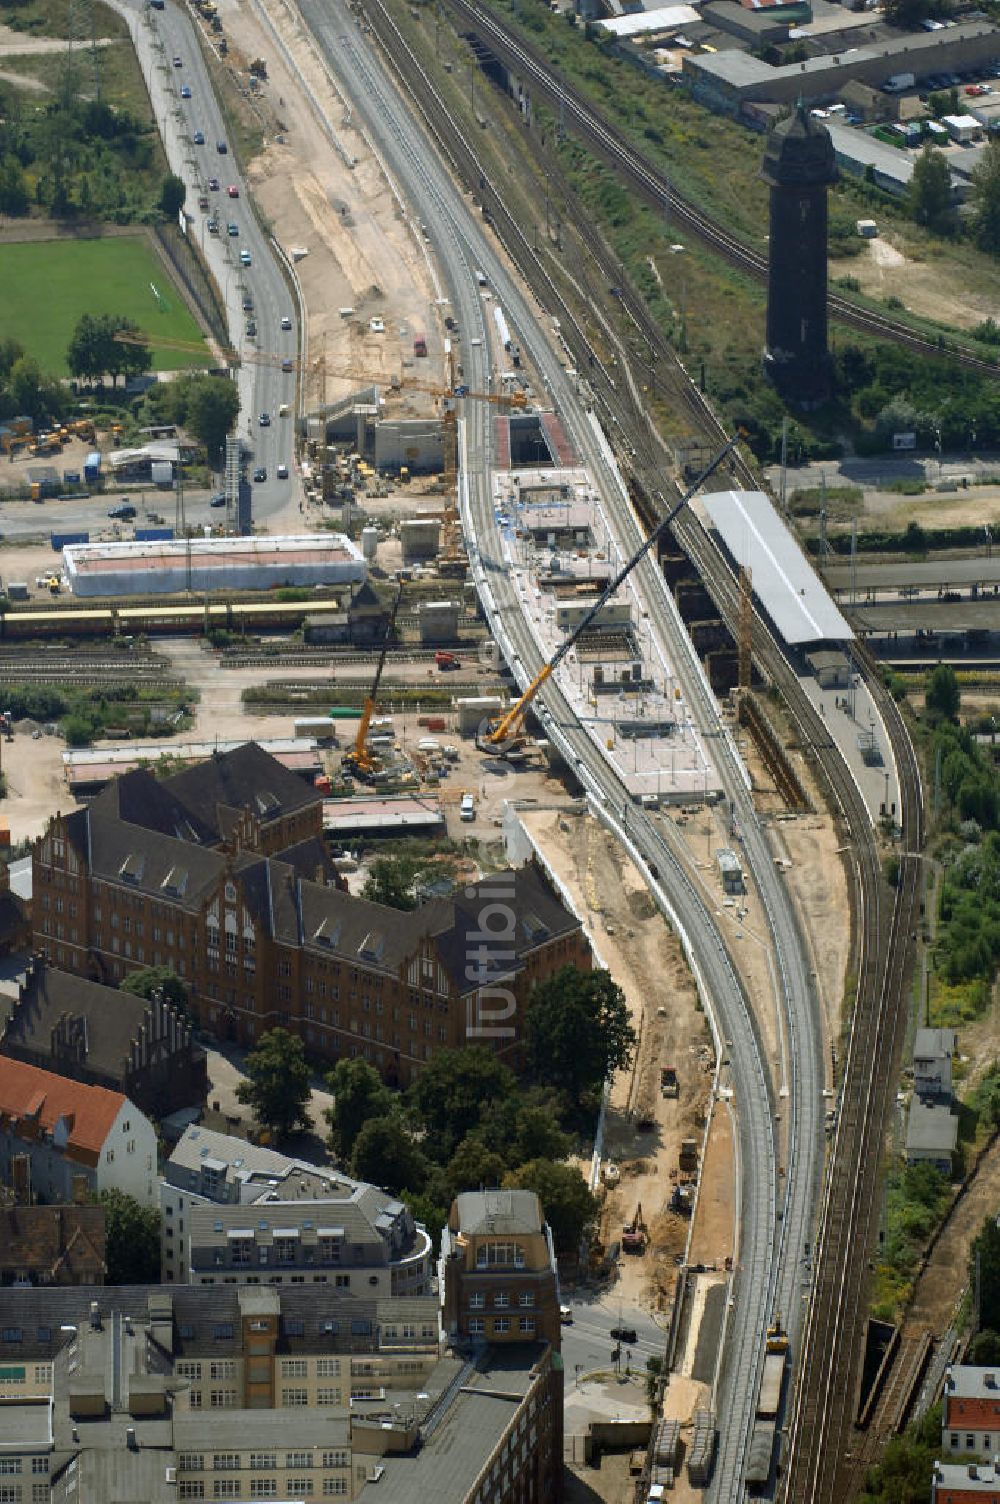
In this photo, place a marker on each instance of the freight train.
(761, 1460)
(248, 617)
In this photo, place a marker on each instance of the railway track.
(655, 187)
(830, 1347)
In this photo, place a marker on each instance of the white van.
(467, 809)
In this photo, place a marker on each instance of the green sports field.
(48, 285)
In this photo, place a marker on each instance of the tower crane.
(506, 734)
(360, 759)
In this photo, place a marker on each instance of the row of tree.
(467, 1120)
(932, 203)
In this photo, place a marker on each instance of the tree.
(538, 1135)
(986, 199)
(473, 1164)
(386, 1154)
(133, 1240)
(25, 385)
(151, 981)
(569, 1206)
(172, 196)
(455, 1091)
(391, 880)
(942, 697)
(985, 1350)
(428, 1210)
(84, 355)
(930, 191)
(909, 13)
(13, 188)
(984, 1275)
(359, 1093)
(212, 407)
(579, 1030)
(277, 1085)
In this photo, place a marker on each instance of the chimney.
(95, 1316)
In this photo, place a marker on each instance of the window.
(191, 1462)
(225, 1369)
(335, 1459)
(226, 1488)
(223, 1399)
(501, 1299)
(332, 1486)
(263, 1488)
(226, 1462)
(10, 1493)
(40, 1465)
(501, 1324)
(40, 1493)
(9, 1466)
(223, 1330)
(477, 1300)
(528, 1324)
(328, 1368)
(328, 1396)
(477, 1326)
(527, 1298)
(294, 1368)
(259, 1460)
(502, 1254)
(190, 1488)
(297, 1459)
(296, 1486)
(291, 1397)
(194, 1399)
(11, 1334)
(188, 1370)
(970, 1442)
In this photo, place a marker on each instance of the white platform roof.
(664, 18)
(784, 582)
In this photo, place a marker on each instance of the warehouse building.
(211, 564)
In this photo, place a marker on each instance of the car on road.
(251, 329)
(566, 1315)
(221, 148)
(265, 420)
(232, 229)
(626, 1334)
(213, 226)
(260, 474)
(213, 185)
(123, 511)
(185, 91)
(199, 138)
(282, 472)
(233, 191)
(286, 322)
(218, 500)
(178, 63)
(287, 364)
(245, 258)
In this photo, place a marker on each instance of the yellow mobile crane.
(505, 736)
(361, 760)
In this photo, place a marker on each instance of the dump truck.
(688, 1157)
(446, 660)
(668, 1081)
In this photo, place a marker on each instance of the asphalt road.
(159, 37)
(587, 1343)
(27, 519)
(462, 246)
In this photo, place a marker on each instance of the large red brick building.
(219, 873)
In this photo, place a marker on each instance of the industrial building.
(204, 565)
(88, 769)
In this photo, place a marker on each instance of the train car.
(23, 626)
(760, 1457)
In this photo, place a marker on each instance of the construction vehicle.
(669, 1086)
(688, 1157)
(361, 761)
(634, 1233)
(7, 725)
(506, 735)
(445, 660)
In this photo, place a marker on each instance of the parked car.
(199, 138)
(218, 500)
(282, 472)
(178, 63)
(260, 474)
(122, 512)
(265, 420)
(566, 1315)
(245, 258)
(233, 191)
(185, 91)
(221, 148)
(213, 185)
(286, 322)
(232, 229)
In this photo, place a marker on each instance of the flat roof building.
(206, 564)
(931, 1135)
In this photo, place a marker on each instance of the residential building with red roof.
(66, 1129)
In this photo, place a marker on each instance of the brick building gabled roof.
(62, 1245)
(216, 792)
(33, 1101)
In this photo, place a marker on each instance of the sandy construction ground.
(926, 287)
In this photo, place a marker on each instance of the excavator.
(361, 761)
(505, 736)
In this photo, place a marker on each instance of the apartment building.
(497, 1271)
(67, 1132)
(141, 1047)
(970, 1414)
(52, 1245)
(144, 1393)
(226, 895)
(235, 1212)
(965, 1483)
